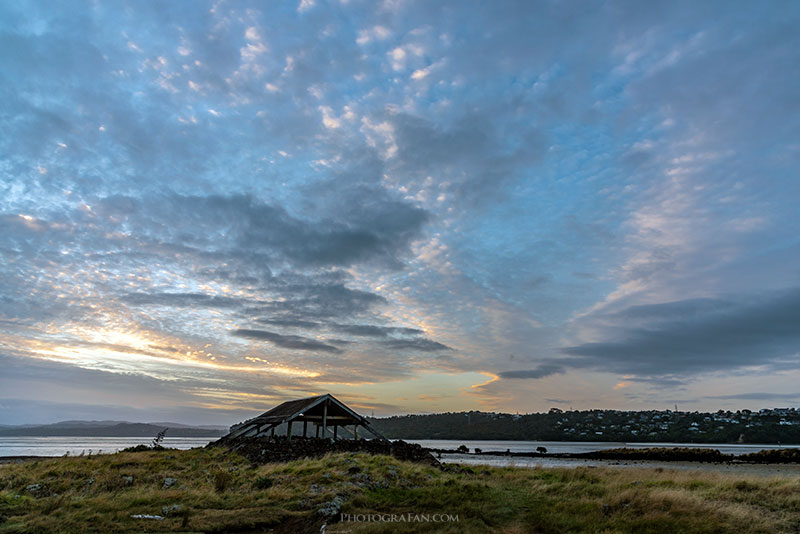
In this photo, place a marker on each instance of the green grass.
(220, 491)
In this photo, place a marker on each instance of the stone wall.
(280, 449)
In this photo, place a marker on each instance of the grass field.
(217, 491)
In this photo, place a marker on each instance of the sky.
(208, 208)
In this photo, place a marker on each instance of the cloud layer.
(229, 205)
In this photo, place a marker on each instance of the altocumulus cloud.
(243, 225)
(540, 371)
(286, 341)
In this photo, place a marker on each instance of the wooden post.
(335, 428)
(317, 434)
(324, 418)
(289, 430)
(305, 428)
(272, 432)
(355, 432)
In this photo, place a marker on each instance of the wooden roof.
(290, 408)
(316, 409)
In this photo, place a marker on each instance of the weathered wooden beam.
(374, 432)
(324, 418)
(289, 430)
(335, 428)
(312, 418)
(305, 428)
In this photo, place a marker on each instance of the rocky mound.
(263, 450)
(673, 454)
(773, 456)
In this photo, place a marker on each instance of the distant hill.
(777, 425)
(111, 429)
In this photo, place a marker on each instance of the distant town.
(775, 425)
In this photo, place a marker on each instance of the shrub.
(262, 482)
(222, 480)
(156, 444)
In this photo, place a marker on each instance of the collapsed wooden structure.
(323, 411)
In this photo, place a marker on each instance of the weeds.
(222, 480)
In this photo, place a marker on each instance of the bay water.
(59, 446)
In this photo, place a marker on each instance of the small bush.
(53, 503)
(137, 448)
(156, 443)
(744, 485)
(262, 483)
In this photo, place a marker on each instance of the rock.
(362, 480)
(380, 484)
(169, 482)
(127, 480)
(455, 468)
(353, 469)
(172, 509)
(391, 472)
(88, 484)
(38, 490)
(147, 516)
(331, 509)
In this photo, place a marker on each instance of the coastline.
(731, 468)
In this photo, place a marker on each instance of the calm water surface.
(58, 446)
